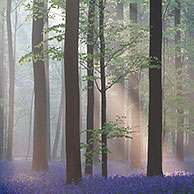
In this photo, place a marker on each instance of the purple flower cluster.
(17, 178)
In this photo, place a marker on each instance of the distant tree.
(154, 166)
(11, 82)
(180, 133)
(59, 119)
(90, 85)
(40, 158)
(135, 148)
(63, 151)
(46, 61)
(2, 34)
(30, 125)
(72, 92)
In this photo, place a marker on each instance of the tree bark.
(103, 85)
(40, 154)
(163, 93)
(96, 123)
(2, 21)
(155, 91)
(90, 86)
(72, 93)
(11, 84)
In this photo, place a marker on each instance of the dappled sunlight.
(116, 107)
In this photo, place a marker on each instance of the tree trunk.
(96, 123)
(180, 134)
(2, 20)
(163, 93)
(5, 110)
(90, 86)
(135, 148)
(56, 142)
(11, 84)
(155, 91)
(63, 137)
(40, 158)
(63, 156)
(72, 92)
(30, 126)
(46, 62)
(103, 85)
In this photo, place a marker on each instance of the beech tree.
(46, 61)
(2, 21)
(59, 122)
(90, 89)
(154, 166)
(11, 82)
(40, 158)
(72, 92)
(103, 84)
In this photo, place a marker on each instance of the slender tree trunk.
(40, 154)
(63, 137)
(97, 112)
(96, 123)
(15, 35)
(5, 111)
(180, 134)
(90, 85)
(56, 142)
(103, 85)
(2, 136)
(63, 145)
(11, 84)
(30, 126)
(46, 62)
(135, 148)
(60, 120)
(72, 93)
(155, 91)
(163, 94)
(63, 148)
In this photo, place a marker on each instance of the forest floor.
(17, 177)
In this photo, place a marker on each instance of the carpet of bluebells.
(16, 178)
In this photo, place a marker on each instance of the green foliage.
(112, 130)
